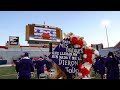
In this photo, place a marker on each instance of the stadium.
(41, 39)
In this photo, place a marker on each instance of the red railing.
(44, 46)
(4, 47)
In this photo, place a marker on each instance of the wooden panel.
(57, 33)
(27, 33)
(61, 36)
(32, 29)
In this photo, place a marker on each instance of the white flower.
(87, 65)
(76, 46)
(79, 74)
(96, 52)
(82, 66)
(69, 35)
(85, 56)
(84, 43)
(73, 36)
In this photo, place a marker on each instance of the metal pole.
(107, 36)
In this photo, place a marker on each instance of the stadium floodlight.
(106, 23)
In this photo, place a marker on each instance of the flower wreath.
(88, 55)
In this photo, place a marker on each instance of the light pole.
(107, 36)
(105, 23)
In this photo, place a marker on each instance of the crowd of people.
(25, 67)
(107, 66)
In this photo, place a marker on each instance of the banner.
(67, 58)
(74, 57)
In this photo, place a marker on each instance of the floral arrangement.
(88, 55)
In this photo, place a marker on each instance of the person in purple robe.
(104, 59)
(95, 67)
(112, 67)
(100, 66)
(40, 66)
(25, 67)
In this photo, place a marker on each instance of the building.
(97, 46)
(117, 45)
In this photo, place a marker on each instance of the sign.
(67, 57)
(44, 34)
(14, 40)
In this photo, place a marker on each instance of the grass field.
(10, 73)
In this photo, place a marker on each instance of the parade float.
(73, 58)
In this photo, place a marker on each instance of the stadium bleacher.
(11, 54)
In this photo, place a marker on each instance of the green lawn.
(93, 75)
(10, 73)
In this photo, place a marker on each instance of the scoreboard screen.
(44, 34)
(14, 40)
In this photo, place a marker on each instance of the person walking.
(40, 66)
(112, 66)
(25, 67)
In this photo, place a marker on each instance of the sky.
(82, 23)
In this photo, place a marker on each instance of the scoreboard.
(43, 33)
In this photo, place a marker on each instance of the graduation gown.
(101, 67)
(49, 65)
(24, 68)
(95, 66)
(40, 66)
(104, 60)
(112, 68)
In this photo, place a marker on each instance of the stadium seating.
(11, 54)
(14, 49)
(104, 52)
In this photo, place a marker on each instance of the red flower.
(80, 42)
(89, 59)
(79, 66)
(74, 40)
(84, 71)
(89, 53)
